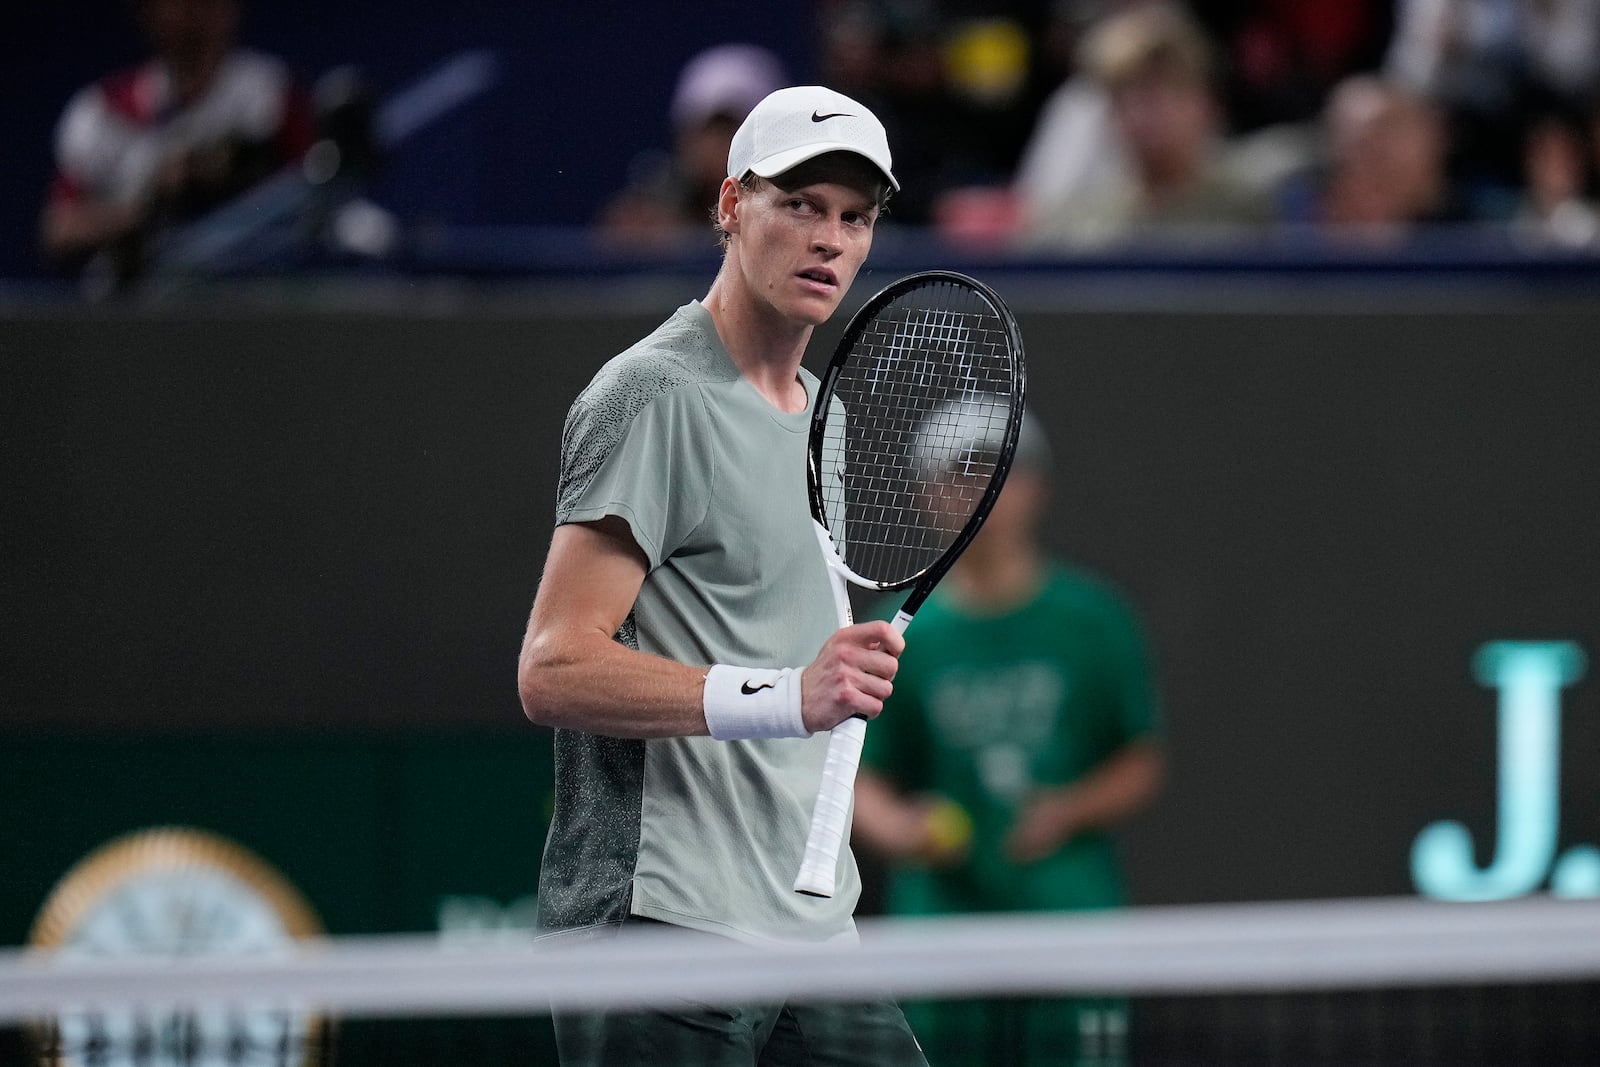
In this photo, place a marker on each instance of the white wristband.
(746, 702)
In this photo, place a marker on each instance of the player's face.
(801, 242)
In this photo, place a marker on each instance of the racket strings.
(926, 400)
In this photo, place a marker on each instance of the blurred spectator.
(886, 53)
(1481, 60)
(1593, 110)
(1074, 153)
(957, 86)
(1386, 171)
(1022, 730)
(670, 196)
(164, 142)
(1555, 207)
(1283, 57)
(1139, 149)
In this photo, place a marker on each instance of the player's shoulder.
(677, 354)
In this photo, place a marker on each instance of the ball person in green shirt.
(1022, 729)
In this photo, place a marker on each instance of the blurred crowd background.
(432, 140)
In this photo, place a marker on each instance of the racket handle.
(830, 819)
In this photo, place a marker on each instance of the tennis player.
(684, 643)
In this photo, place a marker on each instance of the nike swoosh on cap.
(817, 116)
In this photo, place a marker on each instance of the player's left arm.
(1115, 790)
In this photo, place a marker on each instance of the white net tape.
(1346, 945)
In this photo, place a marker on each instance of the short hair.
(1147, 39)
(749, 183)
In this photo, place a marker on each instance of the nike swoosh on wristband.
(747, 690)
(817, 116)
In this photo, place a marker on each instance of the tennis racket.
(911, 439)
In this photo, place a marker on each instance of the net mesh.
(920, 412)
(1379, 982)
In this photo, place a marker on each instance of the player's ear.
(728, 205)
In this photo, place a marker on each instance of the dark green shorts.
(869, 1034)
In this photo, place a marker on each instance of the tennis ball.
(949, 827)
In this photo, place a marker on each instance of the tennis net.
(1400, 981)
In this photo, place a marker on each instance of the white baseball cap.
(802, 122)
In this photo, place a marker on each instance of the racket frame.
(831, 815)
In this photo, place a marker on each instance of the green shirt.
(711, 479)
(987, 709)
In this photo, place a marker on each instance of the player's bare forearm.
(590, 682)
(572, 673)
(580, 678)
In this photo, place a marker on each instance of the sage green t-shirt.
(711, 481)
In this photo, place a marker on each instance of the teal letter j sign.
(1529, 676)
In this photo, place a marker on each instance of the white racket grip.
(830, 819)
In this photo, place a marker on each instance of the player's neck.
(766, 348)
(994, 577)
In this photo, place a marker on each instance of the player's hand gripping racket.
(911, 438)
